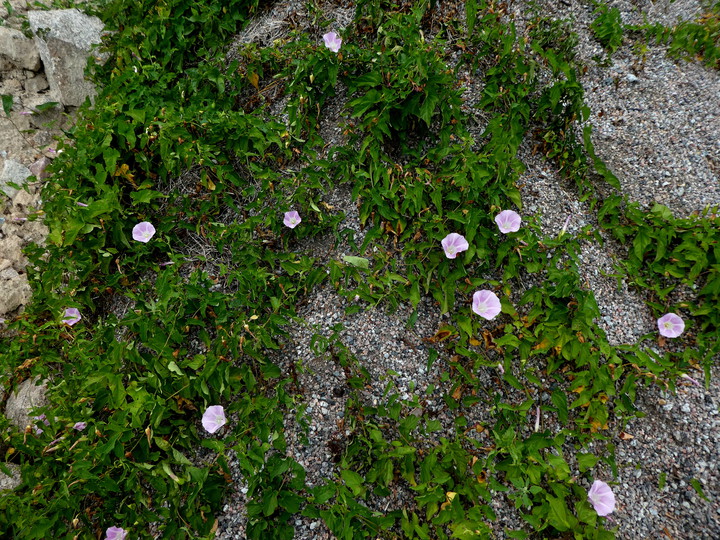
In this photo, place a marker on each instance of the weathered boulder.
(64, 38)
(14, 292)
(18, 49)
(36, 84)
(26, 397)
(11, 249)
(12, 481)
(13, 172)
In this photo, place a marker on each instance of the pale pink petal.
(213, 418)
(143, 231)
(292, 219)
(453, 244)
(486, 304)
(508, 221)
(115, 533)
(71, 316)
(670, 325)
(602, 498)
(332, 41)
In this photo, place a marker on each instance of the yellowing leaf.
(254, 79)
(474, 342)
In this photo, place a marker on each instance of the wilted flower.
(486, 304)
(143, 231)
(80, 426)
(689, 378)
(453, 244)
(81, 204)
(501, 368)
(670, 325)
(332, 41)
(292, 219)
(508, 221)
(72, 316)
(602, 498)
(213, 418)
(115, 533)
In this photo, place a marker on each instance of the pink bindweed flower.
(80, 426)
(537, 418)
(213, 418)
(453, 244)
(115, 533)
(501, 368)
(508, 221)
(670, 325)
(143, 232)
(292, 219)
(72, 316)
(486, 304)
(332, 41)
(39, 430)
(689, 378)
(602, 498)
(81, 204)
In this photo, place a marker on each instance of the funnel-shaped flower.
(72, 316)
(292, 219)
(486, 304)
(80, 426)
(213, 418)
(453, 244)
(115, 533)
(602, 498)
(670, 325)
(508, 221)
(332, 41)
(143, 231)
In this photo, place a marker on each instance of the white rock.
(14, 293)
(10, 482)
(20, 50)
(21, 402)
(13, 172)
(36, 84)
(64, 38)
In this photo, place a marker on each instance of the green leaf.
(697, 486)
(359, 262)
(641, 242)
(471, 15)
(270, 504)
(559, 399)
(145, 195)
(47, 106)
(354, 481)
(586, 461)
(7, 103)
(558, 516)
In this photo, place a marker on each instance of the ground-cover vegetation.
(173, 267)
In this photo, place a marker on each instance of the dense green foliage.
(180, 138)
